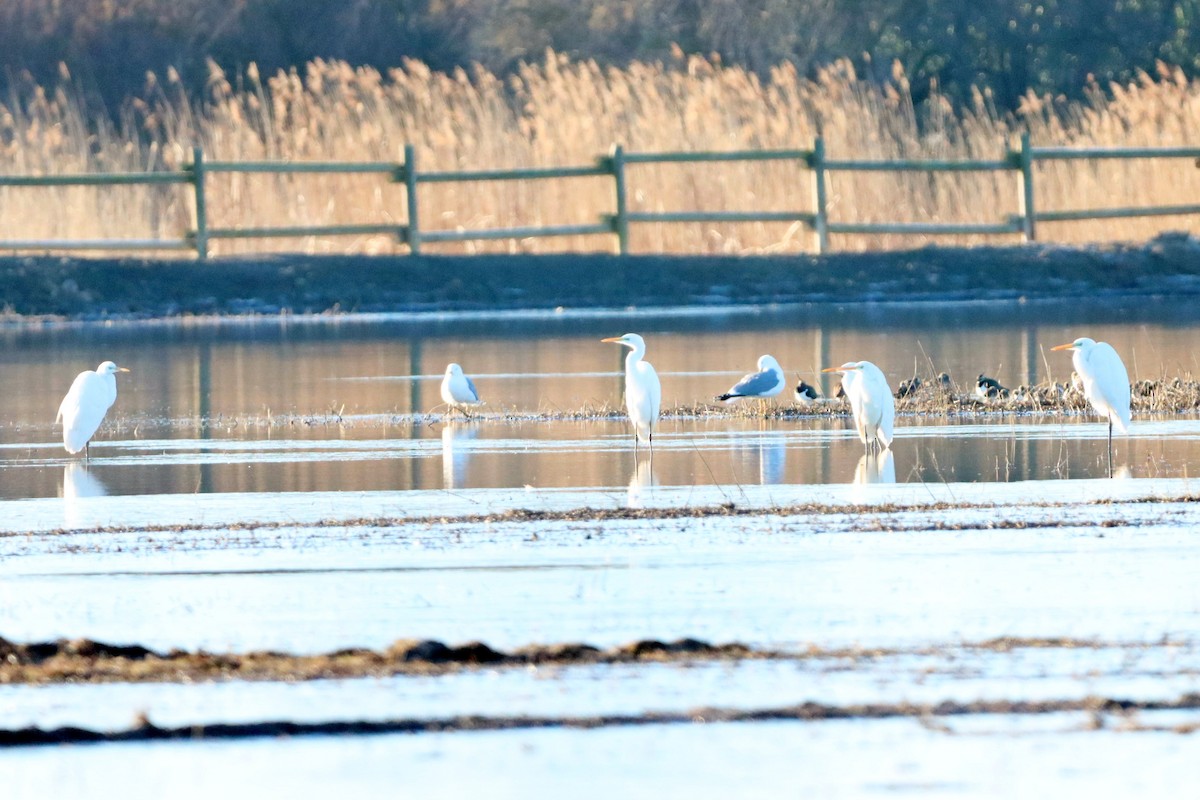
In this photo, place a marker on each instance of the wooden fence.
(820, 168)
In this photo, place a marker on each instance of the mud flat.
(868, 640)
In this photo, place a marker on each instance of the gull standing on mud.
(871, 402)
(1105, 383)
(765, 383)
(458, 391)
(91, 394)
(643, 392)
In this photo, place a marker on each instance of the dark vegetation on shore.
(134, 288)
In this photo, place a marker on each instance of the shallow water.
(344, 403)
(293, 423)
(838, 579)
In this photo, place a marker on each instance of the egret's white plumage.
(91, 395)
(1105, 383)
(643, 392)
(458, 391)
(871, 402)
(767, 382)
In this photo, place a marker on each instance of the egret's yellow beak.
(616, 339)
(124, 369)
(1067, 346)
(832, 369)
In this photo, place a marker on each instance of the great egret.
(989, 388)
(1105, 383)
(643, 392)
(805, 394)
(91, 394)
(458, 391)
(767, 382)
(871, 402)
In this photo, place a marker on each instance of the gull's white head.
(768, 362)
(453, 369)
(109, 368)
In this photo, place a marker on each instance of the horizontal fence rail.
(614, 166)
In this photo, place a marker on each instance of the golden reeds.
(566, 113)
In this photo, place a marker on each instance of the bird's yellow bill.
(124, 369)
(612, 339)
(1066, 346)
(832, 369)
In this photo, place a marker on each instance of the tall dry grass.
(563, 112)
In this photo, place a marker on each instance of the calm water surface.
(256, 406)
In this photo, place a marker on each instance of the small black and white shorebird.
(762, 385)
(806, 394)
(458, 391)
(989, 388)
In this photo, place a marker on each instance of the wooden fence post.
(201, 238)
(1025, 159)
(413, 232)
(621, 219)
(816, 163)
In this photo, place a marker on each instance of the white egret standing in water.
(91, 395)
(871, 402)
(458, 391)
(1105, 383)
(643, 392)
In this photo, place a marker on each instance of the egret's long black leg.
(1110, 464)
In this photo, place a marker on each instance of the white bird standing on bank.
(458, 391)
(643, 392)
(91, 395)
(1105, 383)
(765, 383)
(871, 402)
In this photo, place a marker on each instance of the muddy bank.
(97, 288)
(89, 661)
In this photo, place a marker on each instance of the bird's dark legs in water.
(1110, 467)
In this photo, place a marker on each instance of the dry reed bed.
(562, 112)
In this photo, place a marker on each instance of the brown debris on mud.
(88, 661)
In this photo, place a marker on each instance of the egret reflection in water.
(78, 486)
(641, 483)
(875, 468)
(78, 482)
(456, 452)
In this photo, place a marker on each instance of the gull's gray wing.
(753, 385)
